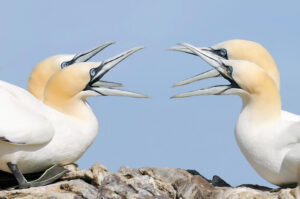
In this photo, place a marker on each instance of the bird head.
(235, 50)
(51, 65)
(246, 78)
(82, 80)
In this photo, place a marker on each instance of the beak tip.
(111, 42)
(170, 48)
(144, 96)
(181, 44)
(141, 47)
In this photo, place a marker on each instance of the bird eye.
(64, 64)
(229, 70)
(223, 53)
(93, 72)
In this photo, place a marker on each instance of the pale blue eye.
(229, 70)
(223, 52)
(64, 64)
(93, 72)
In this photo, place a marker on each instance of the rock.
(61, 190)
(76, 173)
(130, 183)
(143, 183)
(99, 172)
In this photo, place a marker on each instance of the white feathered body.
(272, 148)
(40, 135)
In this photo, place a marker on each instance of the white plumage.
(268, 137)
(40, 135)
(36, 134)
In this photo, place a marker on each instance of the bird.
(267, 137)
(36, 135)
(42, 72)
(236, 49)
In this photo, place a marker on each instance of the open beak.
(87, 55)
(206, 75)
(220, 69)
(201, 76)
(103, 87)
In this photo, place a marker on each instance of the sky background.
(190, 133)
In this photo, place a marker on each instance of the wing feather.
(22, 117)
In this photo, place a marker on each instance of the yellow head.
(67, 89)
(252, 52)
(249, 77)
(256, 87)
(235, 50)
(48, 67)
(263, 98)
(42, 73)
(68, 83)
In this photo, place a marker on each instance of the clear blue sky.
(192, 133)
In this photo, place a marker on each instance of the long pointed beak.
(107, 65)
(186, 50)
(97, 85)
(116, 92)
(102, 83)
(215, 90)
(211, 58)
(87, 55)
(219, 70)
(205, 75)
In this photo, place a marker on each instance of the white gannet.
(237, 49)
(269, 139)
(45, 69)
(36, 135)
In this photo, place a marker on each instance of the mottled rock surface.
(143, 183)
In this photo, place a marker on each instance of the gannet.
(269, 139)
(49, 66)
(237, 49)
(35, 135)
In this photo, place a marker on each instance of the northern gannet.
(45, 69)
(35, 135)
(237, 49)
(269, 139)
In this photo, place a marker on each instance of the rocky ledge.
(143, 183)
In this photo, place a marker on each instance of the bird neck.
(262, 108)
(74, 107)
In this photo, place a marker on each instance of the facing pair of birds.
(266, 135)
